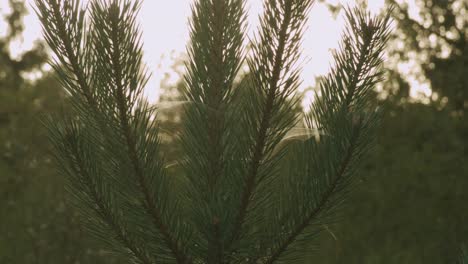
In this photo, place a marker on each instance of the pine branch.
(63, 29)
(260, 142)
(321, 205)
(215, 51)
(119, 26)
(281, 20)
(345, 96)
(57, 20)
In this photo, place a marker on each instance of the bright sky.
(165, 34)
(165, 29)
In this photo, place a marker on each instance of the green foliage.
(36, 225)
(232, 200)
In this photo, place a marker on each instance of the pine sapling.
(243, 192)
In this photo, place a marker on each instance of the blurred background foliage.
(411, 203)
(37, 225)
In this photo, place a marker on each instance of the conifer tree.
(244, 194)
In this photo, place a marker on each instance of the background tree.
(437, 39)
(36, 224)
